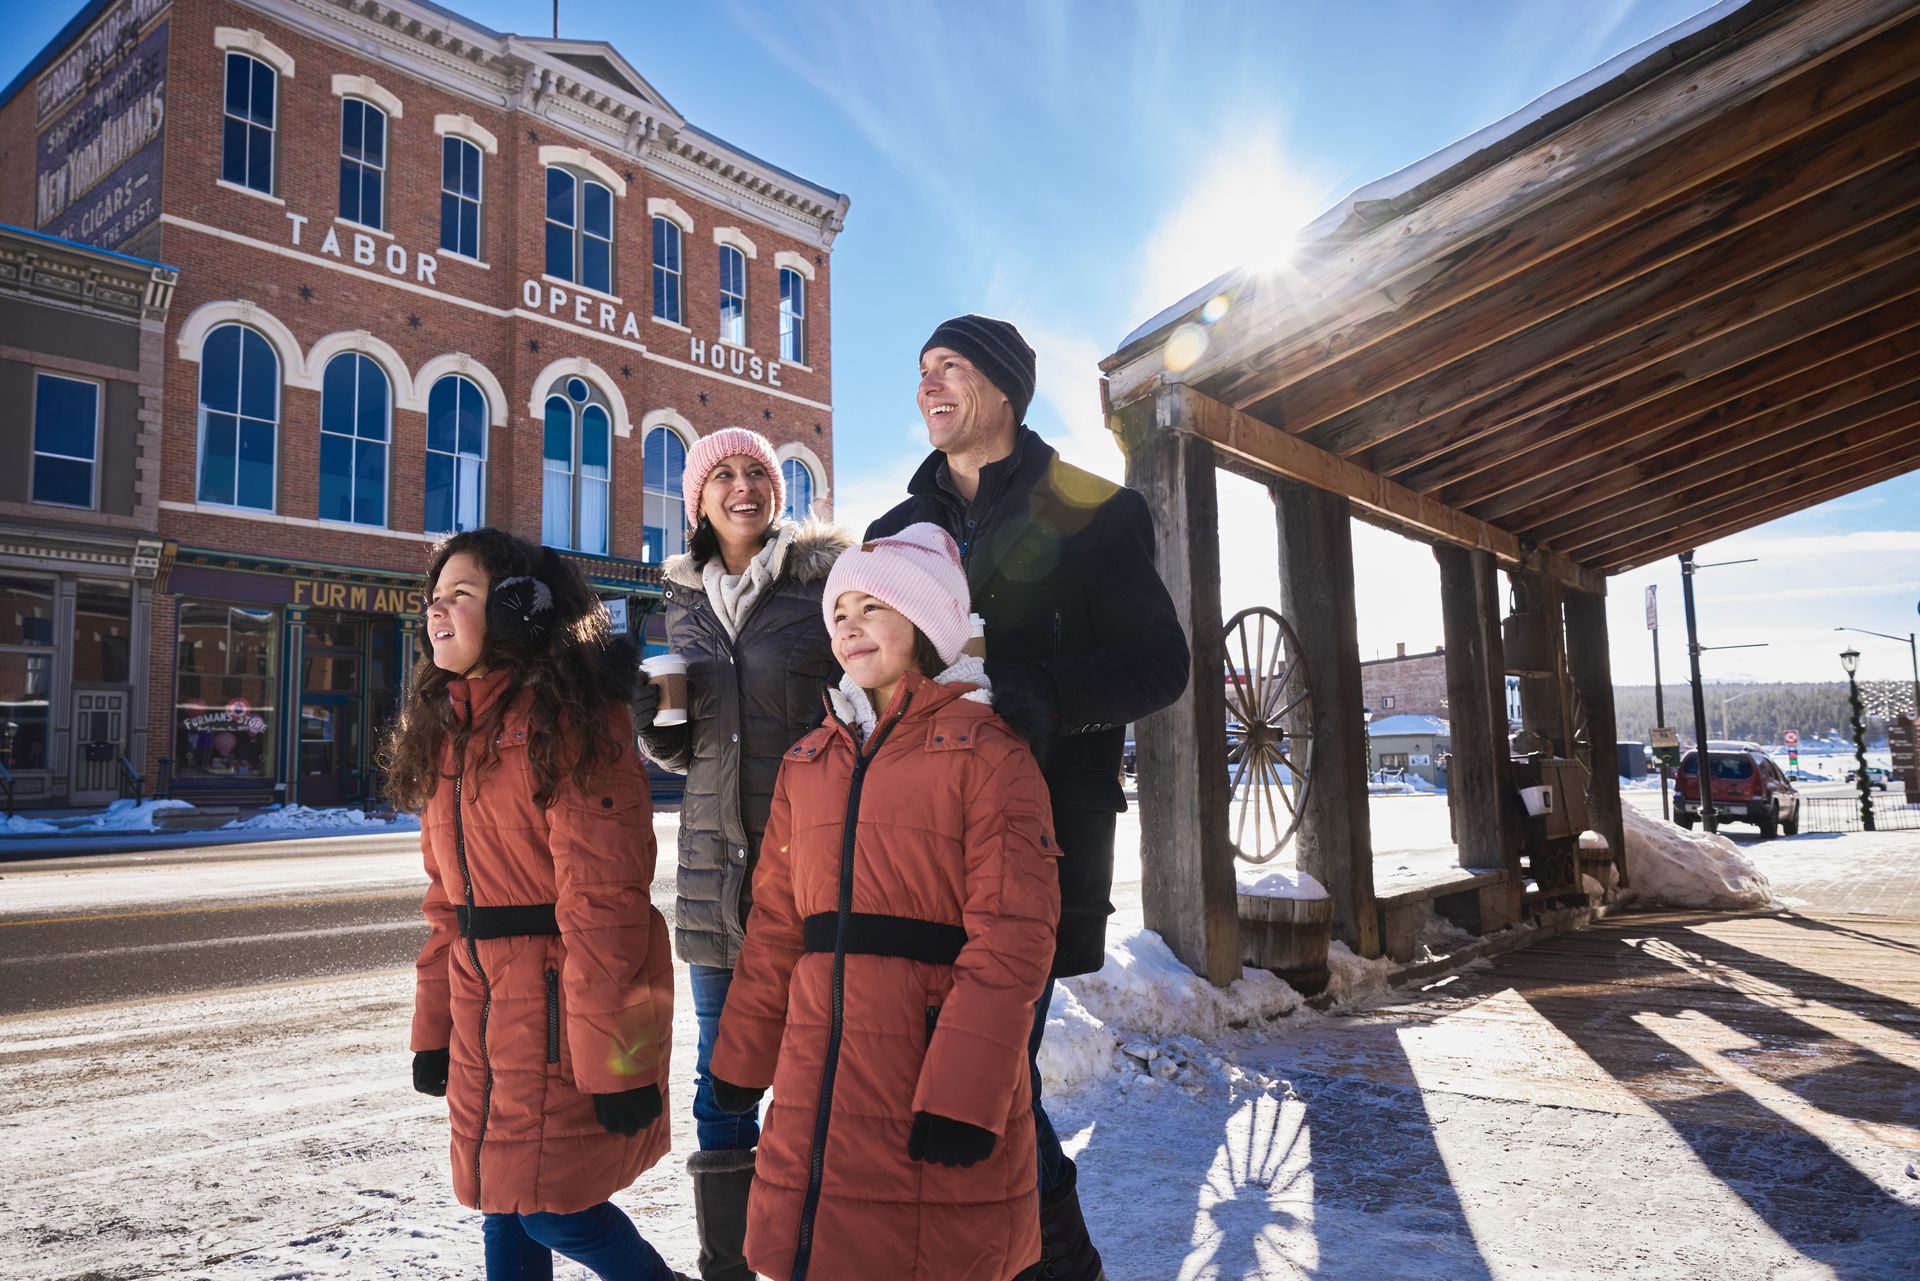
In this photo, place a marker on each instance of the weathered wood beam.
(1276, 453)
(1812, 484)
(1543, 699)
(1590, 666)
(1728, 524)
(1586, 447)
(1480, 776)
(1708, 232)
(1857, 445)
(1715, 277)
(1793, 430)
(1188, 889)
(1561, 376)
(1334, 842)
(1811, 65)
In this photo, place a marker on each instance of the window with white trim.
(355, 421)
(793, 316)
(66, 439)
(363, 163)
(247, 127)
(579, 230)
(733, 296)
(239, 418)
(578, 467)
(456, 456)
(665, 507)
(798, 478)
(459, 197)
(666, 270)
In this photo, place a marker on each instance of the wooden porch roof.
(1674, 300)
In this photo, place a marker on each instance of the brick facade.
(286, 266)
(1414, 684)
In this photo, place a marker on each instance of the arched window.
(578, 469)
(666, 270)
(247, 127)
(239, 418)
(363, 163)
(579, 230)
(793, 316)
(354, 404)
(460, 197)
(733, 296)
(666, 508)
(456, 456)
(799, 483)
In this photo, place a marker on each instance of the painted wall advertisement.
(100, 110)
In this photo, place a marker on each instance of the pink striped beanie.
(918, 572)
(706, 455)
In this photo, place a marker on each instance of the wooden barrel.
(1288, 936)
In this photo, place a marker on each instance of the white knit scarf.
(732, 597)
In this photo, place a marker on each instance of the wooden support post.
(1542, 698)
(1187, 883)
(1335, 839)
(1590, 664)
(1480, 780)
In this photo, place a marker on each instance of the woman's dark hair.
(575, 668)
(926, 659)
(703, 544)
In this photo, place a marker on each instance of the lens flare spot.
(1187, 344)
(1215, 309)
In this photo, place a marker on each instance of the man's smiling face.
(963, 410)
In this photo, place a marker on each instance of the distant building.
(1416, 744)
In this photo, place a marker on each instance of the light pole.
(1913, 645)
(1850, 659)
(1732, 698)
(1709, 817)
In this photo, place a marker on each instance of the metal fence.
(1891, 813)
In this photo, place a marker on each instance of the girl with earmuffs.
(543, 1008)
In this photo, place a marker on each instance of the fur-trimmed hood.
(1025, 715)
(805, 551)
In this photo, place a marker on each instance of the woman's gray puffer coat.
(751, 697)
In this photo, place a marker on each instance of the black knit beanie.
(997, 350)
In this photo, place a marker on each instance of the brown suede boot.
(722, 1179)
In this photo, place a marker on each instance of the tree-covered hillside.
(1763, 712)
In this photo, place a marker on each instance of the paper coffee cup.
(669, 672)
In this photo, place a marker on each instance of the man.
(1060, 565)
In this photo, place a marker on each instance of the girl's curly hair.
(575, 669)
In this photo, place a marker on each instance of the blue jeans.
(1053, 1162)
(716, 1128)
(520, 1247)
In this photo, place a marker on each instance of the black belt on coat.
(870, 934)
(506, 922)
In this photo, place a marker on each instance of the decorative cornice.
(85, 279)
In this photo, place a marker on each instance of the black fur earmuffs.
(519, 612)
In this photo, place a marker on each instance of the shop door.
(332, 765)
(99, 738)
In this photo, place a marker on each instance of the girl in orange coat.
(544, 1003)
(903, 921)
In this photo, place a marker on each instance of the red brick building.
(431, 276)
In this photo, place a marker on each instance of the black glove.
(945, 1141)
(645, 704)
(430, 1072)
(737, 1099)
(629, 1111)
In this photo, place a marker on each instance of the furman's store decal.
(97, 161)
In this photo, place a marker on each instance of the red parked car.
(1747, 788)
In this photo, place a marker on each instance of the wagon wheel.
(1269, 732)
(1580, 733)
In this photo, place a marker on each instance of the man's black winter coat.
(1060, 564)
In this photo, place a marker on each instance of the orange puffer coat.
(539, 1023)
(903, 919)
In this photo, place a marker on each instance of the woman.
(543, 1007)
(743, 607)
(903, 925)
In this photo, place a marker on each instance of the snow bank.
(18, 826)
(291, 818)
(1354, 982)
(1277, 882)
(1672, 867)
(127, 816)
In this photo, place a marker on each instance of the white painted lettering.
(298, 221)
(363, 249)
(427, 264)
(530, 294)
(773, 373)
(331, 245)
(696, 350)
(738, 360)
(396, 260)
(556, 298)
(606, 316)
(630, 329)
(717, 356)
(754, 369)
(582, 305)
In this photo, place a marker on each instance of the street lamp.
(1732, 698)
(1850, 659)
(1366, 729)
(1913, 645)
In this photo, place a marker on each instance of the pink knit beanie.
(706, 455)
(917, 571)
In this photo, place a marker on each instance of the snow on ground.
(20, 825)
(1669, 866)
(125, 815)
(292, 818)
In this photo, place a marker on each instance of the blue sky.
(1077, 166)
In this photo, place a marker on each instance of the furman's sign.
(98, 157)
(356, 597)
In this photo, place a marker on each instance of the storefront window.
(223, 706)
(25, 683)
(102, 633)
(26, 611)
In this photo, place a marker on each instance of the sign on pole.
(1653, 608)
